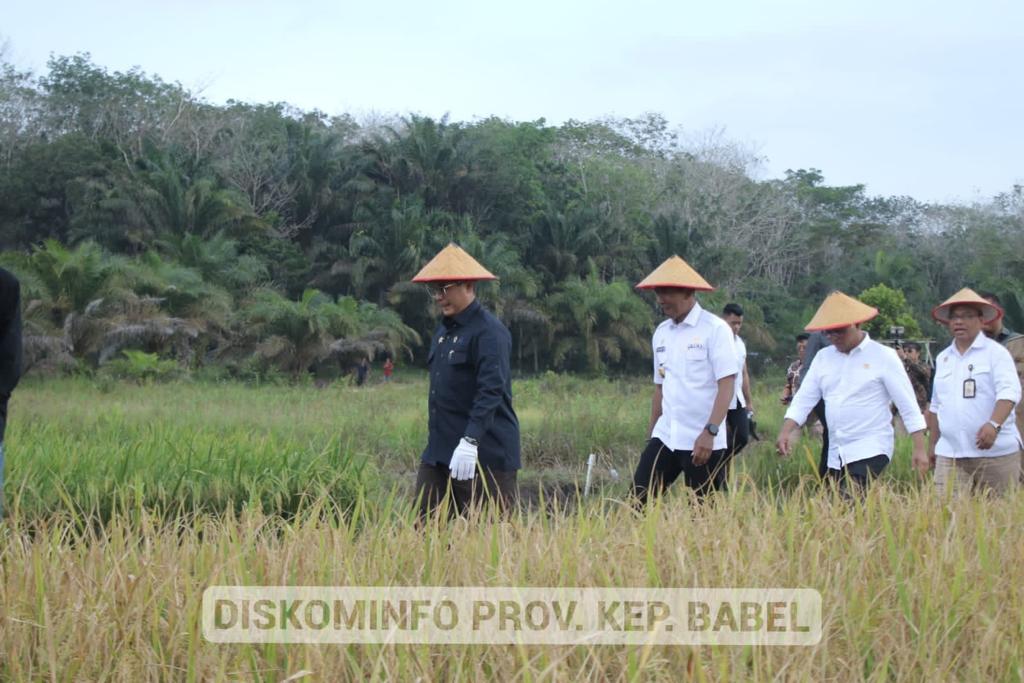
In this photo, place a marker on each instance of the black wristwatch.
(712, 428)
(471, 441)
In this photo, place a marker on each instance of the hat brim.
(989, 313)
(453, 279)
(839, 326)
(674, 285)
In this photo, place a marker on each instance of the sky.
(918, 98)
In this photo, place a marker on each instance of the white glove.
(463, 463)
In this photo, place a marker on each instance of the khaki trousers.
(998, 474)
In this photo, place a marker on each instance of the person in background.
(974, 439)
(695, 369)
(1012, 342)
(389, 369)
(817, 341)
(793, 372)
(362, 370)
(742, 410)
(10, 355)
(920, 374)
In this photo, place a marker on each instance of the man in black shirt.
(10, 354)
(471, 421)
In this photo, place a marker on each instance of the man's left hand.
(986, 437)
(702, 448)
(463, 462)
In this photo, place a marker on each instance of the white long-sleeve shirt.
(991, 367)
(858, 387)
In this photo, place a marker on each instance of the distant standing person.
(741, 411)
(389, 368)
(362, 370)
(974, 439)
(815, 343)
(10, 355)
(793, 372)
(472, 425)
(695, 368)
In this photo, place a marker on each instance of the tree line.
(261, 238)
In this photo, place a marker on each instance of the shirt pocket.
(698, 367)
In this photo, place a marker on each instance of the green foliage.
(892, 311)
(131, 207)
(143, 367)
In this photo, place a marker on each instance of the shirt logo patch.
(694, 345)
(660, 349)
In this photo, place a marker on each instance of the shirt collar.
(863, 342)
(692, 317)
(460, 319)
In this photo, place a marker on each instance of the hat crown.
(453, 263)
(675, 272)
(840, 310)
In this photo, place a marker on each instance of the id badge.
(970, 388)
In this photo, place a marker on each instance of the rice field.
(124, 502)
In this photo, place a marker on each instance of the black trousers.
(819, 410)
(659, 467)
(434, 482)
(856, 476)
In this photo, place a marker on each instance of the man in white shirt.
(858, 378)
(974, 438)
(737, 422)
(694, 382)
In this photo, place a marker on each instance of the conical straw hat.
(989, 311)
(839, 310)
(453, 263)
(675, 272)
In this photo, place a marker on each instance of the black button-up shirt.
(471, 390)
(10, 342)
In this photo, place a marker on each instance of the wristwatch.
(996, 425)
(471, 441)
(712, 428)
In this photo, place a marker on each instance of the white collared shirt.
(689, 359)
(857, 387)
(741, 358)
(991, 367)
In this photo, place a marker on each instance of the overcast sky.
(910, 98)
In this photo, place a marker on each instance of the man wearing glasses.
(974, 438)
(858, 378)
(472, 425)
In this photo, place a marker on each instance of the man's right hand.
(782, 443)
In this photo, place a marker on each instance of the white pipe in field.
(591, 460)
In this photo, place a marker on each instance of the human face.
(995, 326)
(913, 354)
(735, 322)
(675, 302)
(845, 339)
(801, 349)
(452, 297)
(964, 324)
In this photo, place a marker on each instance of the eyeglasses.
(836, 333)
(964, 316)
(439, 291)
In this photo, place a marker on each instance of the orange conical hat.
(839, 310)
(675, 272)
(989, 311)
(453, 263)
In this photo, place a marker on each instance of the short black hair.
(991, 296)
(912, 346)
(803, 336)
(733, 309)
